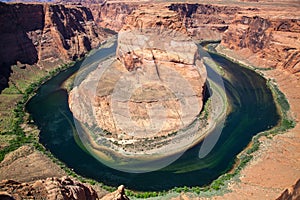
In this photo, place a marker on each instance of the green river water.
(253, 111)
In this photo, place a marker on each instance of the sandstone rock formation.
(292, 193)
(64, 188)
(154, 88)
(119, 194)
(205, 22)
(50, 188)
(44, 36)
(154, 16)
(111, 15)
(27, 164)
(266, 42)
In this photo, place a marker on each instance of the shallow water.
(253, 111)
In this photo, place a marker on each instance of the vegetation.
(285, 124)
(286, 121)
(19, 137)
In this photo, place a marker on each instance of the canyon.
(267, 43)
(38, 37)
(44, 36)
(157, 67)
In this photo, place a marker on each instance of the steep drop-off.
(111, 15)
(44, 35)
(266, 41)
(205, 22)
(28, 36)
(150, 94)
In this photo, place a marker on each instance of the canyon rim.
(262, 34)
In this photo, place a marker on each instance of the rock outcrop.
(64, 188)
(111, 15)
(265, 42)
(154, 89)
(119, 194)
(44, 36)
(205, 22)
(50, 188)
(292, 193)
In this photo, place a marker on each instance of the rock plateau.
(154, 88)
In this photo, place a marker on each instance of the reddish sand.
(276, 165)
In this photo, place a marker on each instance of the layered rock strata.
(56, 189)
(44, 36)
(205, 22)
(265, 41)
(292, 193)
(154, 88)
(111, 15)
(50, 188)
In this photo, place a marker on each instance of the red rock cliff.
(265, 41)
(44, 35)
(205, 22)
(111, 15)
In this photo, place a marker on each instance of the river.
(253, 110)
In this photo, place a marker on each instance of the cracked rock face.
(153, 89)
(64, 188)
(138, 111)
(44, 36)
(50, 188)
(268, 42)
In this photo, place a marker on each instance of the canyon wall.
(291, 193)
(111, 15)
(44, 35)
(205, 22)
(265, 41)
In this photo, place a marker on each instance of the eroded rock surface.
(111, 15)
(64, 188)
(44, 36)
(205, 22)
(292, 193)
(154, 88)
(266, 41)
(50, 188)
(119, 194)
(152, 56)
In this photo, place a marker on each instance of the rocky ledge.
(55, 189)
(39, 37)
(264, 41)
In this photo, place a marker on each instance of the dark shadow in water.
(254, 111)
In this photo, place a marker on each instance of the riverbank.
(275, 165)
(22, 157)
(197, 189)
(161, 147)
(22, 148)
(213, 113)
(215, 186)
